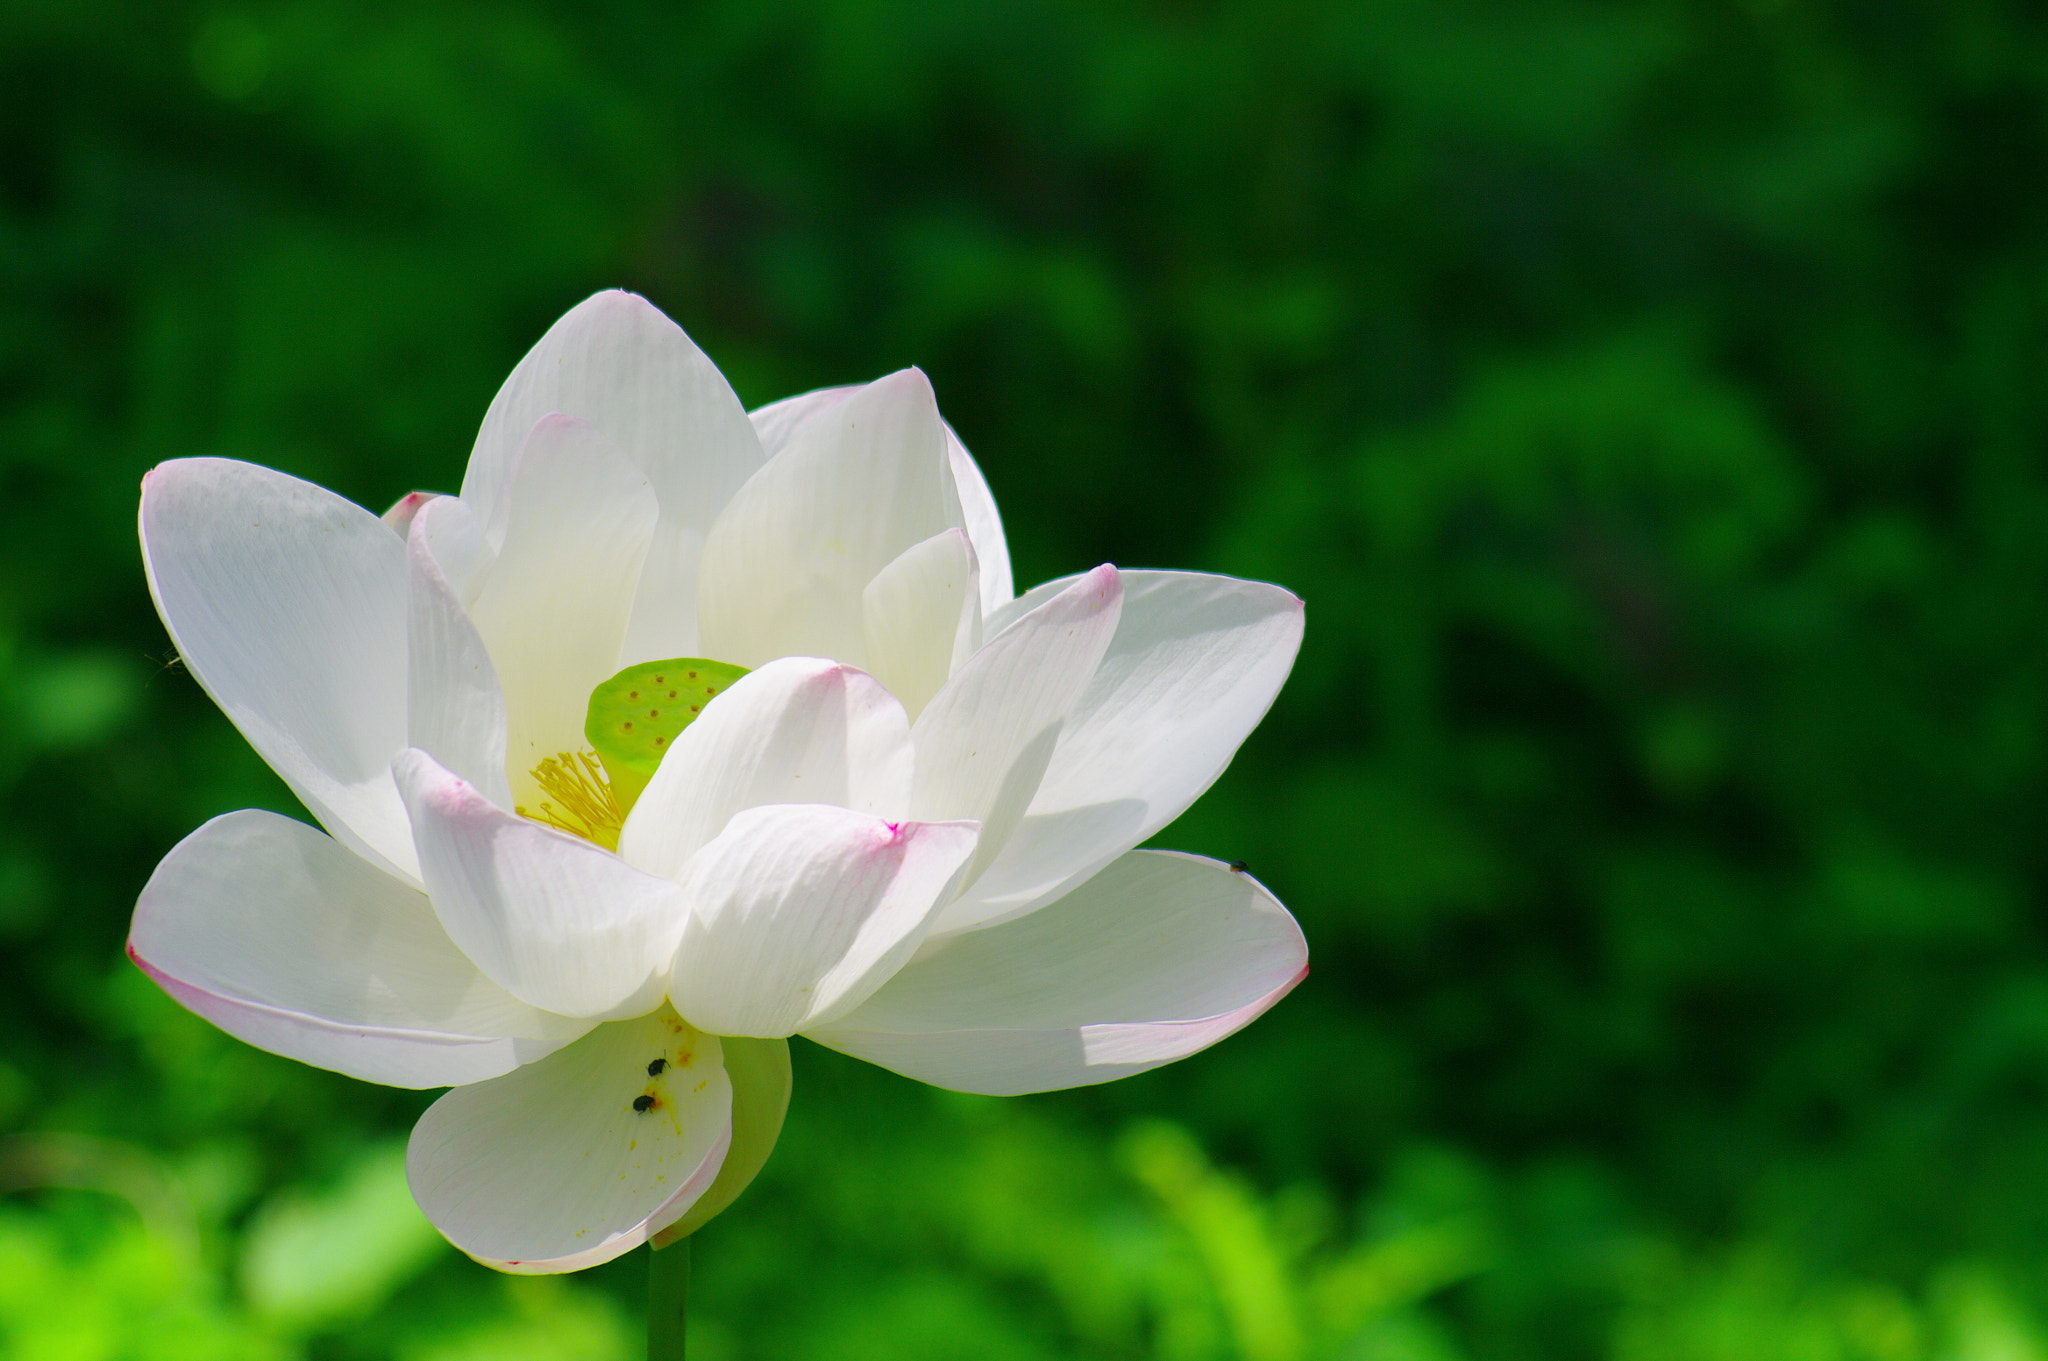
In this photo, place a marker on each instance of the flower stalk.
(668, 1300)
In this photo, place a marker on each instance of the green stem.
(668, 1300)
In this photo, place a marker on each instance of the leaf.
(314, 1259)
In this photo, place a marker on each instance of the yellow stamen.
(582, 802)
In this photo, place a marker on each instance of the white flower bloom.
(905, 832)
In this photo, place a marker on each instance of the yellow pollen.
(580, 801)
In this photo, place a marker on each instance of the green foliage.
(1645, 395)
(319, 1259)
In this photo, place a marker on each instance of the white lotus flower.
(905, 832)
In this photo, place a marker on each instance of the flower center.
(580, 800)
(630, 721)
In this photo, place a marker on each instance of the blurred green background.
(1648, 399)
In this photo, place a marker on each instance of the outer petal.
(777, 421)
(555, 920)
(1195, 664)
(1156, 957)
(799, 911)
(759, 1072)
(619, 364)
(855, 485)
(290, 941)
(456, 711)
(554, 605)
(799, 730)
(551, 1168)
(983, 741)
(288, 604)
(922, 617)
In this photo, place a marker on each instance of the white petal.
(922, 615)
(617, 363)
(759, 1072)
(855, 485)
(984, 525)
(288, 604)
(551, 1168)
(555, 920)
(799, 730)
(554, 605)
(456, 713)
(286, 939)
(1156, 957)
(777, 421)
(799, 911)
(455, 538)
(983, 741)
(1195, 664)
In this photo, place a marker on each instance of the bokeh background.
(1648, 399)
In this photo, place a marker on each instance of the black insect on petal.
(1238, 867)
(643, 1103)
(655, 1068)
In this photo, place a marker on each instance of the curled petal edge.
(277, 1030)
(1109, 1050)
(624, 1241)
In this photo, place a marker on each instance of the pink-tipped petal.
(799, 911)
(984, 740)
(799, 730)
(287, 940)
(1195, 663)
(556, 921)
(1158, 956)
(405, 508)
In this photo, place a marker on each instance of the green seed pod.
(635, 716)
